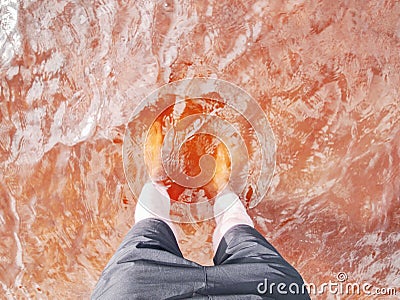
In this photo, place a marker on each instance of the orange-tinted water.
(185, 174)
(326, 73)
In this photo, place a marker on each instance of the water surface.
(327, 75)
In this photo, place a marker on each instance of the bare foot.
(222, 171)
(152, 151)
(222, 167)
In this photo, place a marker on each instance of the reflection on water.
(326, 74)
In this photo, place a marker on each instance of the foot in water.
(152, 151)
(220, 180)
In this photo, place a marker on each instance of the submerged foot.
(152, 151)
(220, 180)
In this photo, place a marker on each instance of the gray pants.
(149, 265)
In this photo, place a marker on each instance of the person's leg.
(154, 202)
(148, 264)
(228, 212)
(254, 265)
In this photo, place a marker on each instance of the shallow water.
(327, 75)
